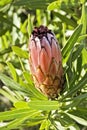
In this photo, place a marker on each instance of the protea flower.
(46, 61)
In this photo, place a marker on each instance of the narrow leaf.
(9, 115)
(83, 19)
(15, 123)
(11, 83)
(29, 25)
(76, 87)
(33, 3)
(19, 52)
(78, 119)
(77, 52)
(44, 105)
(71, 41)
(54, 5)
(8, 95)
(65, 19)
(13, 71)
(21, 104)
(36, 93)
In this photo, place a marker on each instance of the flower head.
(46, 61)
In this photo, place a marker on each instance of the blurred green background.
(68, 20)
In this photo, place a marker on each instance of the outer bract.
(46, 62)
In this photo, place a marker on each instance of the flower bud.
(46, 62)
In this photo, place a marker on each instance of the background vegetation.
(22, 106)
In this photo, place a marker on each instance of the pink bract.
(46, 61)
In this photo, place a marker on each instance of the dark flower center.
(41, 31)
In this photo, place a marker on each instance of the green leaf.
(17, 113)
(13, 71)
(77, 52)
(82, 37)
(4, 24)
(5, 51)
(38, 15)
(21, 104)
(11, 83)
(79, 65)
(36, 94)
(23, 27)
(45, 124)
(83, 19)
(33, 123)
(28, 77)
(81, 97)
(33, 4)
(29, 25)
(44, 105)
(76, 87)
(19, 52)
(4, 2)
(19, 117)
(8, 94)
(58, 4)
(78, 119)
(80, 111)
(71, 41)
(65, 19)
(54, 5)
(14, 124)
(66, 120)
(84, 54)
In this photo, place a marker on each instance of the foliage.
(28, 107)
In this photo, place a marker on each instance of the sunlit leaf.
(44, 105)
(83, 19)
(21, 53)
(54, 5)
(21, 104)
(45, 124)
(13, 71)
(29, 25)
(4, 2)
(84, 53)
(9, 115)
(19, 117)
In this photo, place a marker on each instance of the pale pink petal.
(33, 54)
(56, 51)
(32, 69)
(38, 48)
(45, 43)
(38, 44)
(44, 61)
